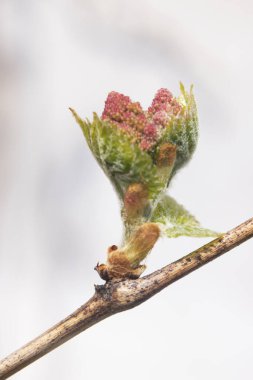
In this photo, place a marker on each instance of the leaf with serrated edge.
(182, 129)
(122, 160)
(125, 161)
(176, 221)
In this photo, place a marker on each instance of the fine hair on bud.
(166, 155)
(141, 242)
(135, 200)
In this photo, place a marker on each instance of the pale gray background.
(58, 212)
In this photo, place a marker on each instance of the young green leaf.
(121, 160)
(182, 129)
(176, 221)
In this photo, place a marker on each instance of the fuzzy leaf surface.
(177, 221)
(182, 130)
(121, 160)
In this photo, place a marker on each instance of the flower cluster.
(144, 127)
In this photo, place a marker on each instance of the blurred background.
(58, 211)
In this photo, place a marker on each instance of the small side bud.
(135, 200)
(166, 155)
(112, 248)
(118, 265)
(125, 262)
(141, 243)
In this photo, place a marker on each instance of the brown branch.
(117, 296)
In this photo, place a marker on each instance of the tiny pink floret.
(161, 100)
(150, 131)
(142, 126)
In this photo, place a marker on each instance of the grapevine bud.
(166, 155)
(135, 200)
(140, 151)
(141, 242)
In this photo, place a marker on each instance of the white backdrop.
(58, 212)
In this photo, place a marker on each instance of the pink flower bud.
(143, 127)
